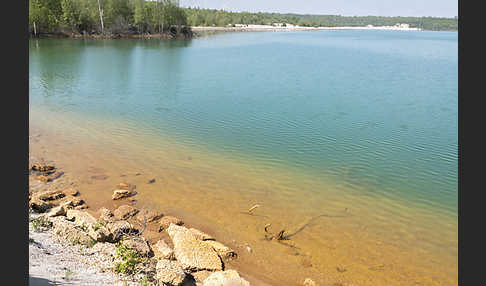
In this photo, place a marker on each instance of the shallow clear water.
(366, 119)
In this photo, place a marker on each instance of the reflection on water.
(312, 126)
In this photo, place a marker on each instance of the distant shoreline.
(299, 28)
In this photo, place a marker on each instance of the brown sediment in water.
(328, 243)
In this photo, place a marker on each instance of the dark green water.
(377, 109)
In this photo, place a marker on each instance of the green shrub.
(91, 243)
(98, 225)
(129, 257)
(40, 224)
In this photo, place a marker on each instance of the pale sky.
(417, 8)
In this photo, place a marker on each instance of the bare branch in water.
(309, 222)
(267, 226)
(281, 235)
(252, 208)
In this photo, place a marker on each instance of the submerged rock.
(121, 193)
(71, 192)
(193, 254)
(166, 221)
(41, 168)
(51, 177)
(308, 282)
(148, 216)
(125, 212)
(100, 177)
(226, 278)
(50, 195)
(125, 186)
(169, 272)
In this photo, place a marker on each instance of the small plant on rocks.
(144, 281)
(98, 226)
(129, 257)
(68, 274)
(40, 224)
(91, 243)
(84, 227)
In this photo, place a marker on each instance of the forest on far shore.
(211, 17)
(166, 16)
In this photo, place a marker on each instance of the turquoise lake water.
(377, 106)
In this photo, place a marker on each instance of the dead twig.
(252, 208)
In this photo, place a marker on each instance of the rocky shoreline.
(126, 246)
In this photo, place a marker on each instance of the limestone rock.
(121, 193)
(100, 233)
(201, 235)
(200, 276)
(222, 250)
(43, 179)
(76, 201)
(50, 195)
(137, 243)
(88, 223)
(193, 254)
(68, 205)
(39, 205)
(125, 212)
(103, 248)
(225, 278)
(50, 177)
(70, 231)
(71, 192)
(118, 229)
(41, 168)
(56, 211)
(81, 218)
(166, 221)
(169, 273)
(106, 215)
(148, 216)
(162, 250)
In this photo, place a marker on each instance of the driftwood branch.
(281, 234)
(252, 208)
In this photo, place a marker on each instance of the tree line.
(161, 16)
(106, 16)
(211, 17)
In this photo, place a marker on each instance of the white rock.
(222, 250)
(193, 254)
(169, 272)
(162, 250)
(225, 278)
